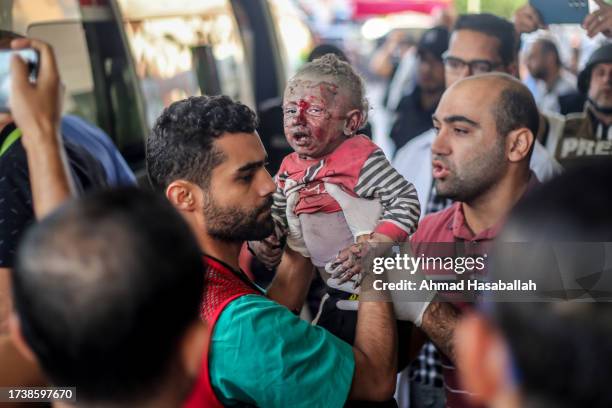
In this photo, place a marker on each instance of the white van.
(123, 61)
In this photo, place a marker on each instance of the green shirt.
(264, 355)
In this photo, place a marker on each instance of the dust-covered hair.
(343, 74)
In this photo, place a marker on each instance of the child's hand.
(269, 251)
(348, 262)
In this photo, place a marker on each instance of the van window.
(185, 48)
(94, 67)
(68, 41)
(295, 37)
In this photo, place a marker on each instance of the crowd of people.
(138, 298)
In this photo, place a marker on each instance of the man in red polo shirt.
(485, 127)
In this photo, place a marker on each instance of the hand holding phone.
(35, 106)
(31, 59)
(599, 21)
(561, 11)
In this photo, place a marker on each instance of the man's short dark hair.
(561, 352)
(515, 107)
(492, 26)
(105, 288)
(181, 144)
(573, 207)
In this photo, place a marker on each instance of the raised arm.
(36, 109)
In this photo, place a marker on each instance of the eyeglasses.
(455, 64)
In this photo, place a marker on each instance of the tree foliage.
(502, 8)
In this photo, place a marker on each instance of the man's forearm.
(16, 370)
(439, 322)
(50, 179)
(292, 280)
(375, 352)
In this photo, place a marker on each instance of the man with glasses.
(479, 44)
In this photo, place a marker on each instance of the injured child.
(337, 195)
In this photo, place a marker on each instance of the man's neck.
(606, 119)
(552, 79)
(228, 252)
(492, 207)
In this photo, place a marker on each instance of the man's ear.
(18, 340)
(354, 119)
(519, 142)
(481, 358)
(184, 195)
(192, 346)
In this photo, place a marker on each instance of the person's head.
(485, 129)
(543, 59)
(107, 295)
(205, 155)
(5, 43)
(323, 105)
(595, 80)
(430, 71)
(480, 43)
(323, 49)
(547, 354)
(544, 355)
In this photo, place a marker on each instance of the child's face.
(314, 116)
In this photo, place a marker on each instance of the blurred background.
(123, 61)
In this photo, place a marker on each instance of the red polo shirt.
(449, 225)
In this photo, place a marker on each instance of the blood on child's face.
(314, 114)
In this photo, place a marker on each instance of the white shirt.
(548, 99)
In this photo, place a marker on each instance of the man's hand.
(527, 19)
(36, 108)
(599, 21)
(269, 251)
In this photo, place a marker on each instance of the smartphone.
(31, 58)
(561, 11)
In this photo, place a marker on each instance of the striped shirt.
(362, 170)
